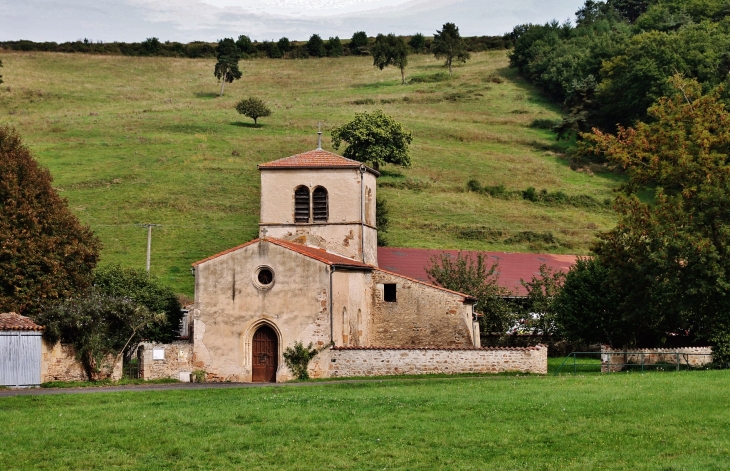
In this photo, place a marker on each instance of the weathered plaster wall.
(59, 363)
(422, 316)
(178, 359)
(346, 362)
(613, 360)
(352, 294)
(344, 239)
(229, 308)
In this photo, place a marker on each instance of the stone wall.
(374, 361)
(421, 316)
(176, 361)
(613, 360)
(59, 363)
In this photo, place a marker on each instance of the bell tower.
(323, 200)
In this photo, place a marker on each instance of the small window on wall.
(301, 204)
(389, 292)
(320, 211)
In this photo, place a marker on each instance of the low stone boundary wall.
(59, 363)
(375, 361)
(173, 360)
(613, 360)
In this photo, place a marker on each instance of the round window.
(263, 278)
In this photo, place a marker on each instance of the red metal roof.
(311, 252)
(314, 159)
(512, 266)
(13, 321)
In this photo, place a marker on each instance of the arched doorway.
(265, 355)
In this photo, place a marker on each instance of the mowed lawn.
(655, 421)
(134, 140)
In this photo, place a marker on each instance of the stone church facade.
(312, 275)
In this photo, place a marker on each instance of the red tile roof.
(13, 321)
(314, 159)
(512, 266)
(311, 252)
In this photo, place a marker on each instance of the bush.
(298, 358)
(254, 108)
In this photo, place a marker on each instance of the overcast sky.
(210, 20)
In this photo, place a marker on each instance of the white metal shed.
(20, 351)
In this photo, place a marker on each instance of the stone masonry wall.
(59, 363)
(421, 316)
(354, 361)
(613, 360)
(177, 362)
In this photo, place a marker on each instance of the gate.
(20, 358)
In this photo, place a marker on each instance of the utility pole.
(149, 242)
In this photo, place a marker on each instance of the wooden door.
(265, 355)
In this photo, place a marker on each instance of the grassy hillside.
(136, 140)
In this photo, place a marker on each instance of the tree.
(254, 108)
(246, 46)
(417, 43)
(374, 138)
(45, 252)
(359, 43)
(1, 77)
(226, 69)
(390, 50)
(284, 45)
(670, 257)
(98, 326)
(315, 46)
(539, 308)
(151, 47)
(334, 47)
(448, 44)
(382, 220)
(472, 275)
(136, 285)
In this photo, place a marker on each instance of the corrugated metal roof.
(512, 267)
(13, 321)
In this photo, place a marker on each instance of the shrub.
(298, 358)
(542, 123)
(474, 185)
(254, 108)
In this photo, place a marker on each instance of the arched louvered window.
(301, 204)
(320, 211)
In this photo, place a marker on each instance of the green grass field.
(147, 140)
(655, 421)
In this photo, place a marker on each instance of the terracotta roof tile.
(512, 266)
(13, 321)
(314, 159)
(311, 252)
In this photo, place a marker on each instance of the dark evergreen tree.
(315, 46)
(226, 69)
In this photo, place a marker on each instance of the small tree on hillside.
(359, 43)
(390, 50)
(246, 46)
(254, 108)
(226, 69)
(449, 45)
(97, 325)
(1, 77)
(284, 45)
(45, 252)
(417, 43)
(374, 138)
(334, 47)
(315, 46)
(151, 47)
(472, 275)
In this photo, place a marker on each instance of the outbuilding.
(20, 351)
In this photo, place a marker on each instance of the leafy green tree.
(136, 284)
(359, 43)
(671, 256)
(390, 50)
(315, 46)
(45, 252)
(449, 45)
(417, 43)
(98, 326)
(253, 108)
(151, 47)
(246, 46)
(539, 310)
(334, 47)
(374, 138)
(284, 45)
(226, 69)
(474, 276)
(382, 220)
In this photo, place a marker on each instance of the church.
(312, 275)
